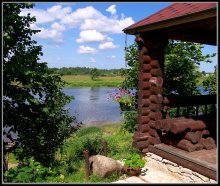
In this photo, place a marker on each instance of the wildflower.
(123, 97)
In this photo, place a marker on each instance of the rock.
(156, 157)
(204, 178)
(169, 162)
(186, 171)
(103, 166)
(173, 169)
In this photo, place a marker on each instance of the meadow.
(86, 81)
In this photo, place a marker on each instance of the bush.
(31, 171)
(88, 130)
(130, 122)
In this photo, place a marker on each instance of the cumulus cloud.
(80, 15)
(107, 45)
(92, 36)
(112, 9)
(49, 15)
(49, 33)
(58, 26)
(86, 50)
(107, 25)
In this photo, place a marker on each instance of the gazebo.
(188, 141)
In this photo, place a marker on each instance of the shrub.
(88, 130)
(30, 171)
(130, 122)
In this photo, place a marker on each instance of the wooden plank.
(180, 157)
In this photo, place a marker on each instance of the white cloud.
(42, 16)
(107, 25)
(113, 57)
(86, 50)
(92, 36)
(51, 33)
(58, 11)
(92, 60)
(112, 9)
(58, 26)
(107, 45)
(80, 15)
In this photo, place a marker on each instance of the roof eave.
(173, 22)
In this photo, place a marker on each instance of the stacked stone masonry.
(185, 174)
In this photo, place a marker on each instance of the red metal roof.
(172, 11)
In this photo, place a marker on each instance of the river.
(91, 105)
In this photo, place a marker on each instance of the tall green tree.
(210, 83)
(33, 100)
(94, 73)
(181, 67)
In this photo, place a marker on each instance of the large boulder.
(103, 166)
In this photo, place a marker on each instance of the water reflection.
(92, 105)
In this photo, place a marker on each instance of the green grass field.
(86, 81)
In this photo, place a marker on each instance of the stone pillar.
(151, 66)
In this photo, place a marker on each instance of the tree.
(181, 67)
(33, 101)
(210, 83)
(94, 73)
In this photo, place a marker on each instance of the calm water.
(91, 105)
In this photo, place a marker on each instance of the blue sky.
(84, 34)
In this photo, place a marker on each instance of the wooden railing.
(189, 102)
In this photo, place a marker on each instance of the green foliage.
(88, 130)
(85, 71)
(31, 171)
(131, 74)
(94, 73)
(210, 83)
(181, 70)
(33, 100)
(88, 139)
(130, 122)
(135, 161)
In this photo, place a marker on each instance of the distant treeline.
(86, 71)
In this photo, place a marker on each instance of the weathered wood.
(208, 143)
(143, 127)
(146, 76)
(145, 85)
(140, 144)
(155, 107)
(180, 126)
(154, 140)
(156, 72)
(141, 136)
(145, 94)
(186, 145)
(156, 99)
(155, 116)
(156, 81)
(146, 68)
(156, 90)
(194, 137)
(155, 64)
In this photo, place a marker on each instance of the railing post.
(87, 167)
(105, 147)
